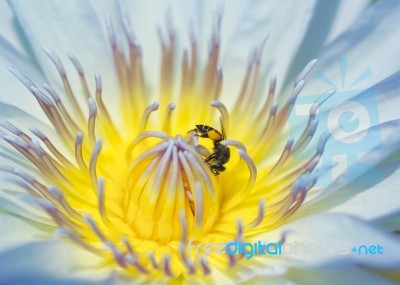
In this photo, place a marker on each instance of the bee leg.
(194, 130)
(213, 170)
(212, 156)
(217, 168)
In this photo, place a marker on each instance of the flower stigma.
(135, 194)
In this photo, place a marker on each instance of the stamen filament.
(252, 169)
(146, 114)
(61, 70)
(260, 215)
(224, 113)
(51, 147)
(204, 265)
(284, 156)
(92, 121)
(78, 152)
(81, 74)
(70, 122)
(93, 162)
(13, 129)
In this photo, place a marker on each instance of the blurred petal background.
(356, 200)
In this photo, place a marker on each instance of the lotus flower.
(129, 138)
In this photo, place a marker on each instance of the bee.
(218, 158)
(221, 153)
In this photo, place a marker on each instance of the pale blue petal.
(370, 106)
(145, 18)
(242, 273)
(361, 186)
(326, 241)
(186, 18)
(286, 23)
(24, 121)
(367, 201)
(381, 141)
(382, 98)
(357, 148)
(352, 275)
(244, 26)
(348, 13)
(12, 202)
(361, 56)
(51, 262)
(68, 28)
(388, 102)
(391, 221)
(266, 280)
(7, 26)
(11, 90)
(16, 231)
